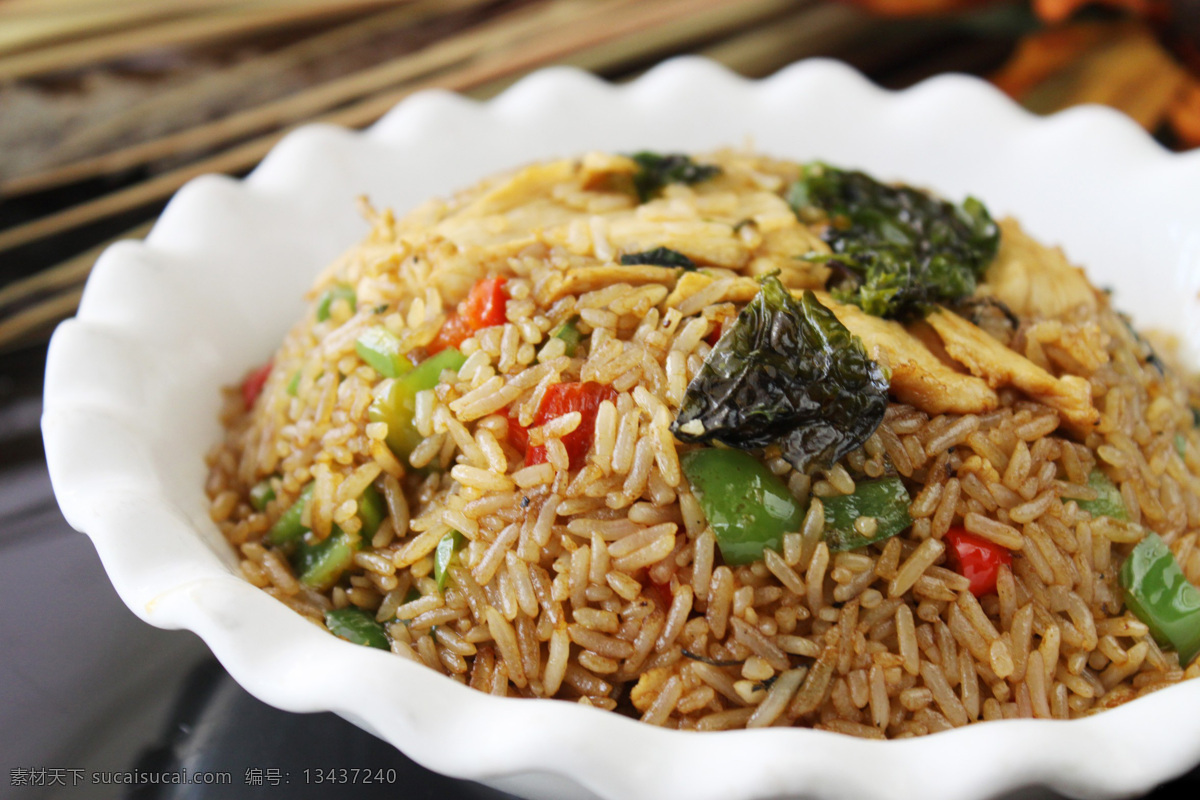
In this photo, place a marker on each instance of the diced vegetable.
(884, 502)
(1108, 502)
(1157, 591)
(372, 509)
(487, 303)
(1181, 445)
(455, 330)
(785, 372)
(747, 505)
(293, 386)
(289, 528)
(714, 335)
(659, 257)
(569, 333)
(484, 307)
(518, 435)
(261, 494)
(563, 398)
(655, 171)
(319, 565)
(253, 384)
(398, 405)
(450, 544)
(897, 251)
(383, 351)
(339, 291)
(357, 627)
(976, 559)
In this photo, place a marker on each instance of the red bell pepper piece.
(253, 384)
(560, 399)
(486, 304)
(484, 307)
(976, 559)
(454, 331)
(518, 435)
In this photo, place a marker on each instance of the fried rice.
(591, 572)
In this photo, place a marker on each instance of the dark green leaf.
(897, 251)
(659, 257)
(655, 171)
(788, 373)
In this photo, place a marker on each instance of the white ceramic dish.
(131, 404)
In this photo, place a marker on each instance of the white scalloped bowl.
(132, 396)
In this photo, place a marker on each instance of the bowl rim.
(544, 749)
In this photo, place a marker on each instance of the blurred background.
(107, 107)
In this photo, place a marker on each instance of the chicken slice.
(589, 279)
(987, 358)
(919, 378)
(1034, 280)
(703, 242)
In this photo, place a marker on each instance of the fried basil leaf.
(787, 372)
(897, 251)
(655, 171)
(659, 257)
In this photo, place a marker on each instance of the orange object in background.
(905, 8)
(1042, 54)
(1184, 115)
(1053, 11)
(1138, 63)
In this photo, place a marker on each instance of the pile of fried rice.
(592, 573)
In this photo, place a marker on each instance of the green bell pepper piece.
(383, 351)
(288, 527)
(569, 333)
(371, 510)
(747, 505)
(339, 291)
(398, 405)
(885, 500)
(1181, 445)
(319, 565)
(356, 626)
(1160, 595)
(450, 544)
(261, 493)
(1108, 503)
(293, 386)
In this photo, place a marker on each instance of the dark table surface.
(88, 692)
